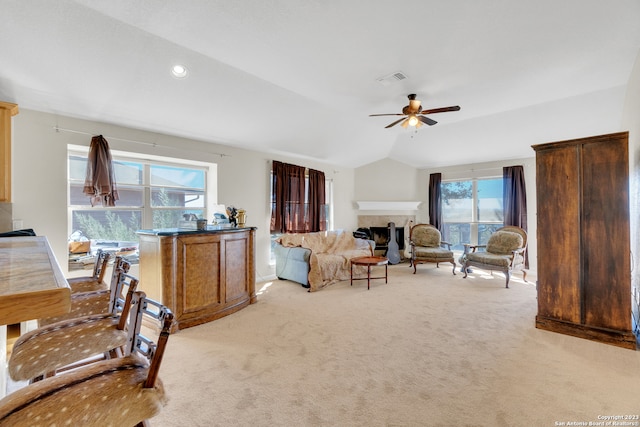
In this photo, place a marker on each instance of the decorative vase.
(242, 217)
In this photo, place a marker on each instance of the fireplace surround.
(377, 227)
(381, 236)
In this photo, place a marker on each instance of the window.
(472, 210)
(328, 213)
(153, 194)
(328, 188)
(298, 199)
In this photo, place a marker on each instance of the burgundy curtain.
(514, 196)
(288, 198)
(100, 182)
(435, 201)
(317, 201)
(277, 197)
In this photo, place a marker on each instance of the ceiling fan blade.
(427, 120)
(394, 123)
(391, 114)
(441, 110)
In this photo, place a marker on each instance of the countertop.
(211, 229)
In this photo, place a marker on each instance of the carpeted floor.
(430, 349)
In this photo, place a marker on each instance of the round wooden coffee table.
(369, 261)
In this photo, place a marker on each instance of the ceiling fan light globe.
(413, 120)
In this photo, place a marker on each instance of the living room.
(495, 140)
(42, 134)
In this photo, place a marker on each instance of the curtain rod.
(152, 144)
(496, 168)
(487, 169)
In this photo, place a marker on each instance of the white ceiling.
(299, 77)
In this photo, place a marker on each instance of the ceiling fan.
(412, 114)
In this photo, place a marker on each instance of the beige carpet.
(429, 349)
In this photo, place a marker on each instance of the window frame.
(147, 208)
(328, 188)
(328, 191)
(475, 223)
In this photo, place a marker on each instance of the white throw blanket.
(331, 252)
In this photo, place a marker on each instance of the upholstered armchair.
(505, 251)
(427, 245)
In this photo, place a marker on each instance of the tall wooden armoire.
(584, 266)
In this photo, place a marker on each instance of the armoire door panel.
(605, 235)
(558, 242)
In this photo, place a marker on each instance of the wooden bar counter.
(201, 275)
(32, 286)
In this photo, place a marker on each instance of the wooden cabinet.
(584, 267)
(7, 111)
(200, 275)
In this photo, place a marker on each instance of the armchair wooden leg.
(454, 267)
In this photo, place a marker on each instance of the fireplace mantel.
(388, 206)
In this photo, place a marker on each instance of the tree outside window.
(152, 195)
(472, 210)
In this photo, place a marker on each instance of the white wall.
(386, 180)
(631, 122)
(40, 176)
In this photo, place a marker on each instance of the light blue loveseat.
(292, 263)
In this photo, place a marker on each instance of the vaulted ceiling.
(301, 77)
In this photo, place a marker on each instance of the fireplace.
(380, 224)
(380, 235)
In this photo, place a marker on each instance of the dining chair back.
(121, 391)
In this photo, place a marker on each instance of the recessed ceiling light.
(179, 71)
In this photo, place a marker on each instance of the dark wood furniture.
(369, 261)
(584, 283)
(200, 275)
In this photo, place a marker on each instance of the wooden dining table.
(32, 286)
